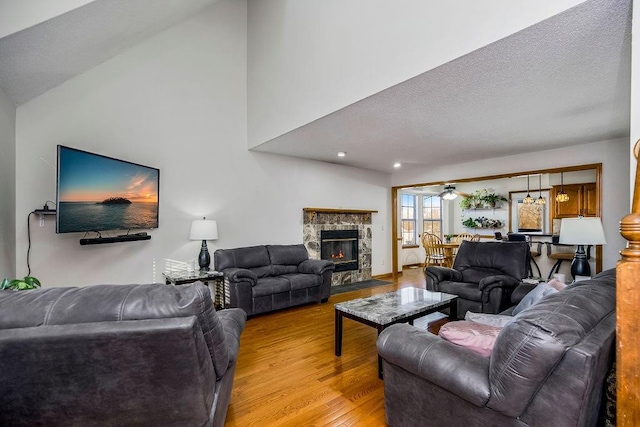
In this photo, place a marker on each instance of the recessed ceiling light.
(342, 153)
(397, 165)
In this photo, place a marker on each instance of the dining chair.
(435, 254)
(464, 236)
(560, 256)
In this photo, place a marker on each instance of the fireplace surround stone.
(315, 220)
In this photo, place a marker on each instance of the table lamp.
(204, 229)
(581, 231)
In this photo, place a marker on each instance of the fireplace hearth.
(341, 247)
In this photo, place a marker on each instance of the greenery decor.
(482, 222)
(492, 199)
(27, 282)
(480, 199)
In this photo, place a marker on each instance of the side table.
(219, 291)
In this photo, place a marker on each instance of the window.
(432, 215)
(408, 216)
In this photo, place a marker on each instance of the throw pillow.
(474, 336)
(498, 320)
(533, 297)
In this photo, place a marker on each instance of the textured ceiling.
(41, 57)
(564, 81)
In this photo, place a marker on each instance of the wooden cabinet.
(583, 200)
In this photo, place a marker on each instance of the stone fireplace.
(342, 236)
(341, 247)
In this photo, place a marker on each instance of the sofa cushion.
(263, 271)
(303, 281)
(108, 303)
(249, 257)
(534, 297)
(269, 286)
(510, 258)
(284, 269)
(287, 254)
(474, 336)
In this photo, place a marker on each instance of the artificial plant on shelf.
(492, 199)
(482, 222)
(26, 283)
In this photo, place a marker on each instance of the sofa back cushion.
(477, 260)
(249, 257)
(531, 347)
(289, 255)
(113, 303)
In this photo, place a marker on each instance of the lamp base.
(580, 265)
(204, 259)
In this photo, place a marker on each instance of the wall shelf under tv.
(126, 238)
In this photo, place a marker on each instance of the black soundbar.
(124, 238)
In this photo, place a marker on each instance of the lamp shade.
(204, 229)
(582, 231)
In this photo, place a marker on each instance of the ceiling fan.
(450, 193)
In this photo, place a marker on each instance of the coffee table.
(383, 310)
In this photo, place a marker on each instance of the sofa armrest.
(498, 281)
(233, 321)
(449, 366)
(443, 274)
(315, 266)
(237, 275)
(521, 291)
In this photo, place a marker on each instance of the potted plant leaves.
(492, 199)
(26, 283)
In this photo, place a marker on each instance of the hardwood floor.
(288, 375)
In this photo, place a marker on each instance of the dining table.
(449, 250)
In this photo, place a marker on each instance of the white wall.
(308, 58)
(16, 15)
(615, 183)
(7, 187)
(177, 102)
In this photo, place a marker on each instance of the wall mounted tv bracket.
(44, 211)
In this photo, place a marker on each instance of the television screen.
(99, 193)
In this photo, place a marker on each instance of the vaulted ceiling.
(561, 82)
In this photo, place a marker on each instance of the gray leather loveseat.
(547, 366)
(271, 277)
(116, 355)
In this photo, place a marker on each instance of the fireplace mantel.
(311, 212)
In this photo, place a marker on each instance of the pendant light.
(562, 196)
(540, 200)
(528, 200)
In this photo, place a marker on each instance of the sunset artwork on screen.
(98, 193)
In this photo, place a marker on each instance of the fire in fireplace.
(341, 247)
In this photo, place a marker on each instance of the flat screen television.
(100, 193)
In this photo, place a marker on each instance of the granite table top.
(390, 307)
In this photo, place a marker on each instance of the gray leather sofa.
(272, 277)
(546, 369)
(483, 276)
(116, 355)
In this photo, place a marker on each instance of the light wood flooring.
(288, 375)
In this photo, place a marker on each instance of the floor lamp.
(581, 231)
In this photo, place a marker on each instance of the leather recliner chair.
(483, 276)
(116, 355)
